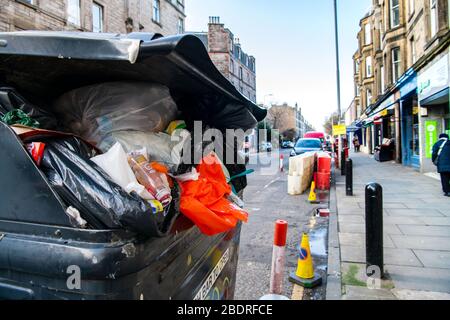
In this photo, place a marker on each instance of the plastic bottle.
(151, 179)
(278, 258)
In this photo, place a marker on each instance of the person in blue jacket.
(441, 157)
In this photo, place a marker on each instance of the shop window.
(395, 13)
(97, 17)
(73, 12)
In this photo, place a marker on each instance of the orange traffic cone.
(305, 276)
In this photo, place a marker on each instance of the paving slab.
(425, 279)
(404, 294)
(437, 231)
(434, 259)
(414, 213)
(351, 219)
(362, 293)
(421, 242)
(359, 240)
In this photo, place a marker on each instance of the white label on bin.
(213, 276)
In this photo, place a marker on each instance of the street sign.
(431, 137)
(339, 130)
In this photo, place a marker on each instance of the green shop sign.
(431, 137)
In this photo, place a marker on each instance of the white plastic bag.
(115, 164)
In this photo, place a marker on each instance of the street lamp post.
(265, 120)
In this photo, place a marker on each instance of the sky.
(293, 43)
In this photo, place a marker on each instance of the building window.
(356, 67)
(30, 1)
(73, 12)
(241, 73)
(412, 44)
(369, 97)
(395, 64)
(433, 17)
(232, 66)
(97, 17)
(357, 90)
(395, 13)
(367, 34)
(382, 79)
(180, 26)
(368, 67)
(411, 7)
(156, 11)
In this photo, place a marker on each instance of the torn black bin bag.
(101, 202)
(10, 99)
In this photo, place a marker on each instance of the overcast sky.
(293, 43)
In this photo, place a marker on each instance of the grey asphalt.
(267, 200)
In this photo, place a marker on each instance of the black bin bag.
(101, 202)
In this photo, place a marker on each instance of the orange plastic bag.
(203, 201)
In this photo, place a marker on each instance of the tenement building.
(401, 74)
(115, 16)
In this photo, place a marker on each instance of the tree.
(290, 134)
(329, 122)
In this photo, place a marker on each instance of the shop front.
(434, 106)
(409, 114)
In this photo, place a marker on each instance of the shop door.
(410, 136)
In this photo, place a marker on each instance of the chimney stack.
(214, 20)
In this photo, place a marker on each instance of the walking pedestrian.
(441, 158)
(356, 143)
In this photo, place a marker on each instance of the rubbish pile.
(114, 153)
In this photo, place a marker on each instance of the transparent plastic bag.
(96, 111)
(160, 147)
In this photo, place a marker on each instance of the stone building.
(115, 16)
(230, 59)
(285, 117)
(397, 42)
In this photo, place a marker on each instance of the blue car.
(306, 145)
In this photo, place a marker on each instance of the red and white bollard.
(281, 163)
(278, 258)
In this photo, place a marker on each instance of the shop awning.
(355, 126)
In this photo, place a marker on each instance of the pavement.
(416, 240)
(267, 200)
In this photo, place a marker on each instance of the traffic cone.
(305, 276)
(312, 194)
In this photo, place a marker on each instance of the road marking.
(297, 292)
(271, 182)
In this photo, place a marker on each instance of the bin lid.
(45, 64)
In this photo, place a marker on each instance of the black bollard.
(342, 162)
(349, 177)
(374, 229)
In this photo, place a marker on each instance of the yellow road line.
(297, 292)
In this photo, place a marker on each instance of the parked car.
(287, 144)
(306, 145)
(266, 146)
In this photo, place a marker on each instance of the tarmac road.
(267, 200)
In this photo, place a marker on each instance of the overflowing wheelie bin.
(97, 200)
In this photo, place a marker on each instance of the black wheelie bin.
(41, 252)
